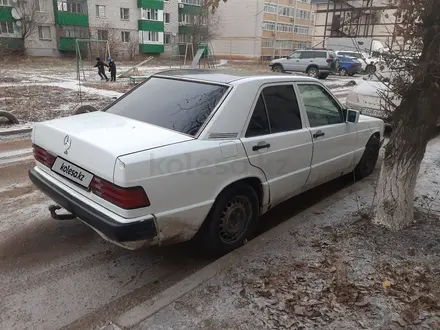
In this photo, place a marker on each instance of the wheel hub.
(234, 219)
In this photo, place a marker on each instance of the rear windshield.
(179, 105)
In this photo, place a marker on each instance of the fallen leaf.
(386, 284)
(299, 310)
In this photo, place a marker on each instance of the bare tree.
(29, 11)
(417, 81)
(131, 48)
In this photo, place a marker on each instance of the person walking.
(112, 69)
(100, 65)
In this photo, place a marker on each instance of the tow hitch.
(54, 215)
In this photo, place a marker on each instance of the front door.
(292, 62)
(334, 141)
(277, 142)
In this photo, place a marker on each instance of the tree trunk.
(414, 123)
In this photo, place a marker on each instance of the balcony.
(68, 18)
(150, 4)
(5, 14)
(67, 44)
(190, 10)
(185, 29)
(146, 25)
(151, 48)
(13, 43)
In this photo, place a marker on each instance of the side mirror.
(352, 116)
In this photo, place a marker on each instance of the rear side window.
(276, 111)
(307, 55)
(282, 107)
(320, 54)
(179, 105)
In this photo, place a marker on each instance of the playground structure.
(89, 49)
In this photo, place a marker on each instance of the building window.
(184, 38)
(44, 32)
(186, 19)
(102, 35)
(284, 44)
(125, 36)
(270, 8)
(267, 43)
(281, 27)
(303, 14)
(125, 14)
(286, 11)
(193, 2)
(149, 36)
(303, 45)
(167, 18)
(100, 11)
(150, 14)
(5, 3)
(75, 33)
(302, 29)
(6, 28)
(269, 26)
(167, 39)
(72, 6)
(305, 1)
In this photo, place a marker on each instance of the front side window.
(178, 105)
(321, 107)
(307, 55)
(296, 55)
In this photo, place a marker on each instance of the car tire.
(313, 72)
(84, 109)
(343, 72)
(351, 74)
(369, 159)
(370, 69)
(277, 68)
(323, 76)
(238, 203)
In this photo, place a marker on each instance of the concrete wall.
(35, 46)
(239, 29)
(171, 7)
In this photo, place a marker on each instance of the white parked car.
(199, 154)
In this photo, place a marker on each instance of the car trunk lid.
(94, 141)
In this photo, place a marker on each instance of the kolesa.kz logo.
(72, 172)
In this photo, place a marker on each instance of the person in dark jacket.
(112, 69)
(100, 65)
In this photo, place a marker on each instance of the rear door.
(334, 141)
(277, 141)
(306, 59)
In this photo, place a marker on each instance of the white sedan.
(199, 154)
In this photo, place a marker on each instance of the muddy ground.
(38, 103)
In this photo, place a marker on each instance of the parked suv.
(316, 63)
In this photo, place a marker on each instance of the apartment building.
(152, 27)
(374, 19)
(264, 29)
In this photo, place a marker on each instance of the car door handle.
(318, 134)
(261, 146)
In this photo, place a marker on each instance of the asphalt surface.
(61, 274)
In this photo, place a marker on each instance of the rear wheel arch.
(312, 66)
(253, 181)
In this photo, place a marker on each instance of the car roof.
(229, 76)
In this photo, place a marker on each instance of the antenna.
(17, 13)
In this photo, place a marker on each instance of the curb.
(152, 306)
(15, 131)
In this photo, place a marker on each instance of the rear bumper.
(119, 232)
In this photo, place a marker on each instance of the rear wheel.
(369, 159)
(343, 72)
(277, 68)
(231, 221)
(313, 72)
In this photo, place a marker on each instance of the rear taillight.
(329, 60)
(125, 198)
(43, 156)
